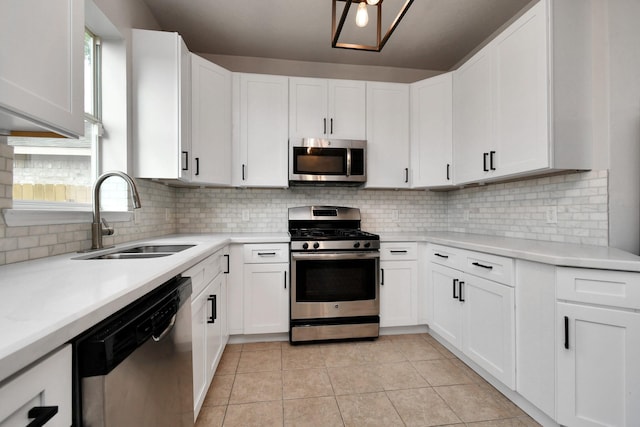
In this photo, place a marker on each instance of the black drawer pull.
(566, 332)
(477, 264)
(42, 414)
(460, 288)
(441, 256)
(228, 263)
(266, 254)
(455, 282)
(214, 309)
(404, 251)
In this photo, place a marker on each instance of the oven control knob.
(305, 246)
(316, 245)
(367, 245)
(356, 245)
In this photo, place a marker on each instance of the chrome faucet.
(100, 227)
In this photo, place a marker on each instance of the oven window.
(320, 161)
(335, 280)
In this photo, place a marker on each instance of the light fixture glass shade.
(373, 2)
(362, 17)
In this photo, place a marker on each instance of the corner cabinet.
(505, 125)
(432, 132)
(210, 123)
(387, 135)
(161, 106)
(44, 387)
(260, 130)
(598, 347)
(209, 327)
(322, 108)
(42, 88)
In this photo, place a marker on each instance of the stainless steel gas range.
(335, 292)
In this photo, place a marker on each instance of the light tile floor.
(398, 380)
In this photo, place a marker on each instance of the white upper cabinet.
(211, 122)
(388, 135)
(260, 112)
(161, 106)
(322, 108)
(431, 132)
(523, 104)
(41, 66)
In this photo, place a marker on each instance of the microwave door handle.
(348, 161)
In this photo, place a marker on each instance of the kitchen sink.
(140, 252)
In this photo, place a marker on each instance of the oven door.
(336, 284)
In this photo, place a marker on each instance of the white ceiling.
(434, 34)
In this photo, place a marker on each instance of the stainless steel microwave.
(327, 161)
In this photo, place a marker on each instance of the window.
(58, 172)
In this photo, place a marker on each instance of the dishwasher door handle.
(167, 329)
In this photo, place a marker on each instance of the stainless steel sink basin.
(140, 252)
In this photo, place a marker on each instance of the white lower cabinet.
(266, 298)
(398, 284)
(47, 383)
(209, 321)
(474, 314)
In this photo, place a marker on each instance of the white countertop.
(47, 302)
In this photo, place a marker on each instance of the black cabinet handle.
(228, 263)
(398, 251)
(455, 282)
(42, 414)
(285, 280)
(448, 171)
(214, 310)
(484, 162)
(197, 166)
(243, 176)
(460, 291)
(441, 256)
(266, 254)
(477, 264)
(324, 131)
(566, 332)
(185, 155)
(406, 174)
(382, 276)
(491, 158)
(332, 126)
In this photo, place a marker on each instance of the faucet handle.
(107, 230)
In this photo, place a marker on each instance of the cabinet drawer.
(493, 267)
(603, 287)
(445, 255)
(206, 270)
(47, 383)
(398, 251)
(265, 253)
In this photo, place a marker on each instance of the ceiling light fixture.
(362, 19)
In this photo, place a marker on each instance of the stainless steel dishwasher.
(135, 368)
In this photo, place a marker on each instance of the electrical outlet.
(395, 215)
(466, 215)
(552, 214)
(245, 215)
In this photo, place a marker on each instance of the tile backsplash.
(515, 209)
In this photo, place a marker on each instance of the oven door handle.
(320, 256)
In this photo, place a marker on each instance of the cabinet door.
(215, 302)
(489, 326)
(398, 293)
(431, 132)
(521, 85)
(388, 135)
(211, 122)
(346, 109)
(263, 137)
(308, 108)
(598, 371)
(266, 298)
(161, 105)
(446, 308)
(41, 66)
(473, 118)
